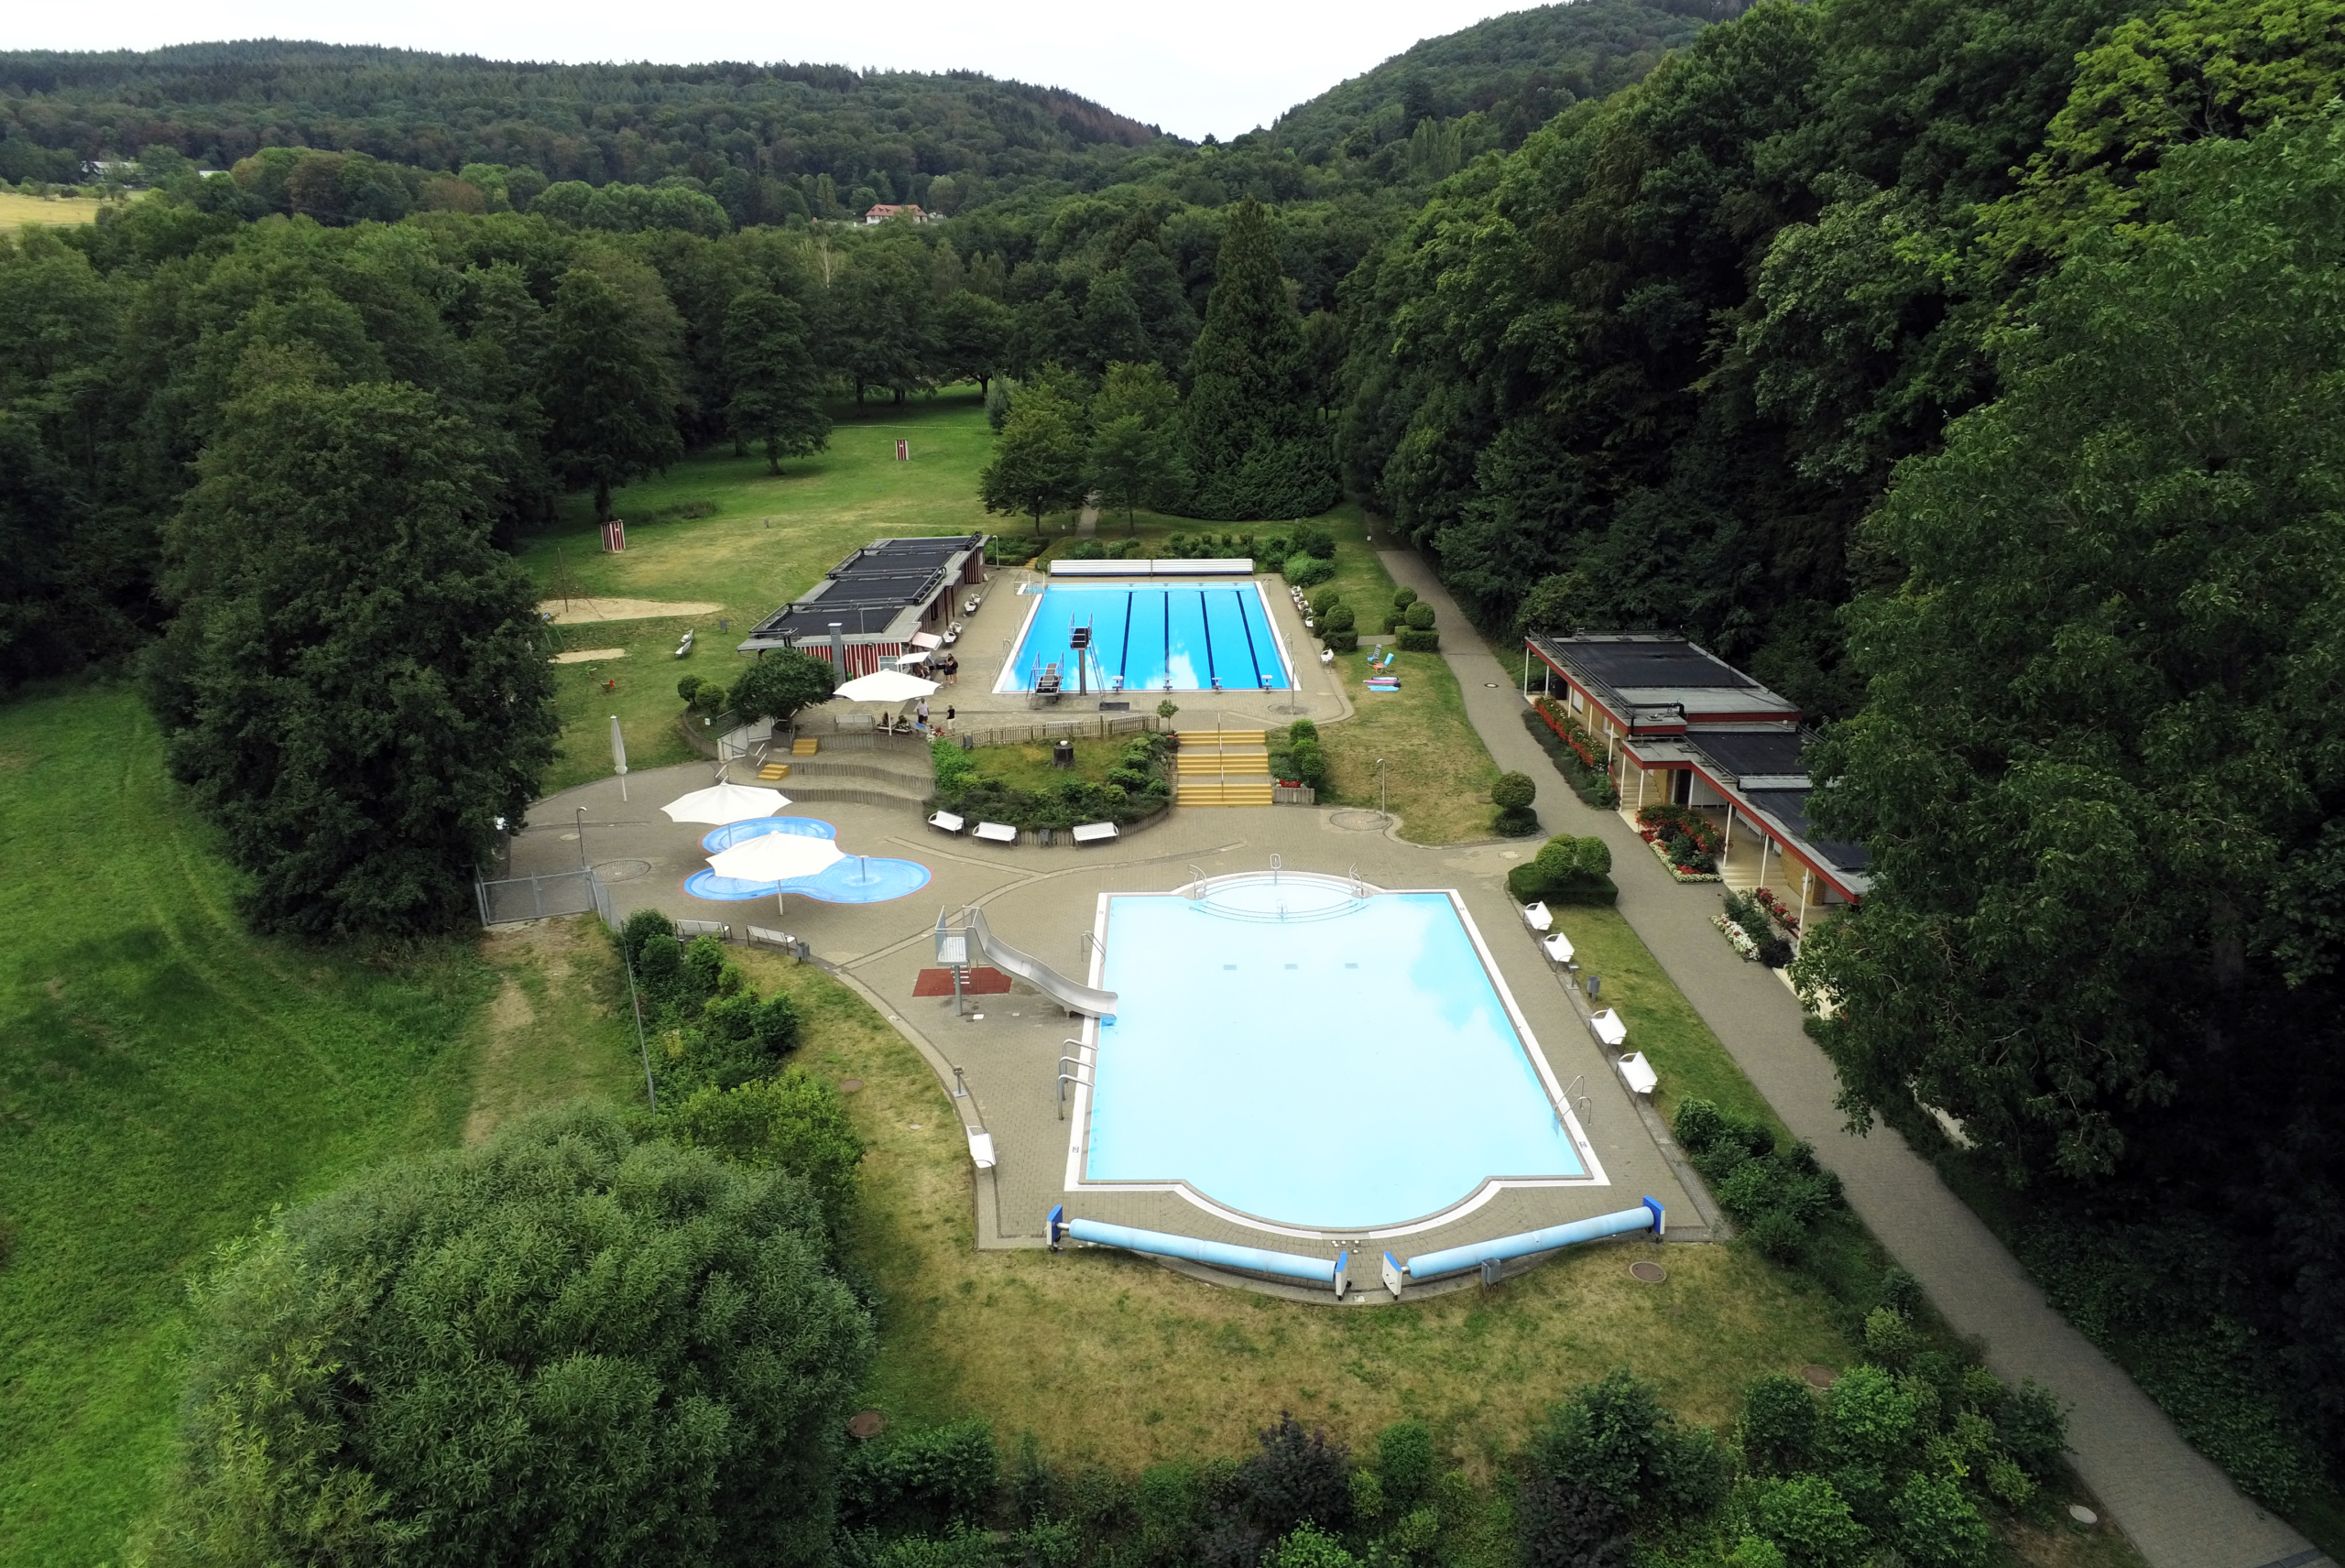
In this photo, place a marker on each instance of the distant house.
(887, 210)
(1678, 723)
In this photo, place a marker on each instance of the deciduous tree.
(609, 399)
(1037, 465)
(777, 392)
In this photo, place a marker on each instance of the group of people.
(926, 728)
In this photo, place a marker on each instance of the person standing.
(923, 712)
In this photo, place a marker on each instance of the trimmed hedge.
(1415, 639)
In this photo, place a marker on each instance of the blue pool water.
(1153, 637)
(1348, 1065)
(858, 880)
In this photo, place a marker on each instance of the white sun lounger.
(945, 822)
(1609, 1027)
(1537, 917)
(1093, 832)
(1559, 948)
(1637, 1073)
(996, 832)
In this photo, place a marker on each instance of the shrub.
(1339, 619)
(687, 686)
(1309, 1547)
(1890, 1339)
(793, 1122)
(1778, 1424)
(515, 1344)
(1307, 571)
(1780, 1235)
(1313, 539)
(640, 927)
(955, 767)
(1345, 641)
(1310, 761)
(1808, 1518)
(922, 1480)
(780, 684)
(1297, 1475)
(1404, 1463)
(1568, 1524)
(1869, 1420)
(2033, 1428)
(709, 699)
(1167, 708)
(1404, 597)
(1513, 791)
(1936, 1525)
(1302, 729)
(1614, 1436)
(1899, 1291)
(1413, 639)
(1325, 599)
(1419, 617)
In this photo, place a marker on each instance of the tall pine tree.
(1255, 442)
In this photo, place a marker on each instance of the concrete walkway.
(2176, 1505)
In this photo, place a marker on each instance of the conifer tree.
(1255, 445)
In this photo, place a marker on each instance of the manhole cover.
(849, 1085)
(622, 870)
(1647, 1270)
(1359, 821)
(865, 1425)
(1817, 1377)
(2083, 1515)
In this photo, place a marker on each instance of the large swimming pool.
(1152, 637)
(1292, 1052)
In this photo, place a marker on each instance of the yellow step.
(1217, 794)
(773, 770)
(1210, 739)
(1220, 762)
(805, 746)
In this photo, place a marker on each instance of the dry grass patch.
(558, 1027)
(1110, 1359)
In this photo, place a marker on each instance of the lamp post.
(1380, 788)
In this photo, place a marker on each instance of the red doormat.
(981, 982)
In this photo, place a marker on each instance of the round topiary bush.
(1513, 791)
(1325, 599)
(1339, 619)
(709, 698)
(1403, 598)
(1419, 616)
(1310, 761)
(687, 686)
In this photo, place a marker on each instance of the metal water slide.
(1068, 993)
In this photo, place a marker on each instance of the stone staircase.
(869, 774)
(1222, 768)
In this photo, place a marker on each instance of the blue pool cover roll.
(1428, 1265)
(1220, 1253)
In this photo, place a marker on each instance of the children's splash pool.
(856, 879)
(1305, 1053)
(1152, 636)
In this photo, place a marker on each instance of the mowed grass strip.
(64, 212)
(166, 1079)
(1108, 1358)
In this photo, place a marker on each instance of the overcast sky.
(1223, 66)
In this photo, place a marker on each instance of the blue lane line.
(1247, 627)
(1213, 676)
(1124, 657)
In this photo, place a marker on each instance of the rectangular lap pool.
(1152, 636)
(1291, 1053)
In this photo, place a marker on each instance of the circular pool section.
(1310, 1053)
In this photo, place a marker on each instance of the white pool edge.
(1087, 1057)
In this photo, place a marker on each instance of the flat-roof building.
(1678, 723)
(868, 609)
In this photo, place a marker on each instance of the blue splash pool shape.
(732, 834)
(857, 879)
(1313, 1059)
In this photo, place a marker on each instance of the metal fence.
(512, 898)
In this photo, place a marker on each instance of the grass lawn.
(167, 1078)
(17, 208)
(768, 539)
(1029, 767)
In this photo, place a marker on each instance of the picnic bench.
(980, 1148)
(945, 822)
(1093, 832)
(996, 832)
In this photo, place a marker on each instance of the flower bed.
(1774, 906)
(1661, 852)
(1737, 938)
(1573, 751)
(1687, 845)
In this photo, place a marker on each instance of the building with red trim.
(868, 609)
(1678, 723)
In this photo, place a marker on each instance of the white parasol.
(886, 686)
(776, 857)
(724, 802)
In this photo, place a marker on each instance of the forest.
(1965, 371)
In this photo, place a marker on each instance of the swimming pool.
(1299, 1056)
(1152, 637)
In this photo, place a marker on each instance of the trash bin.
(1062, 755)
